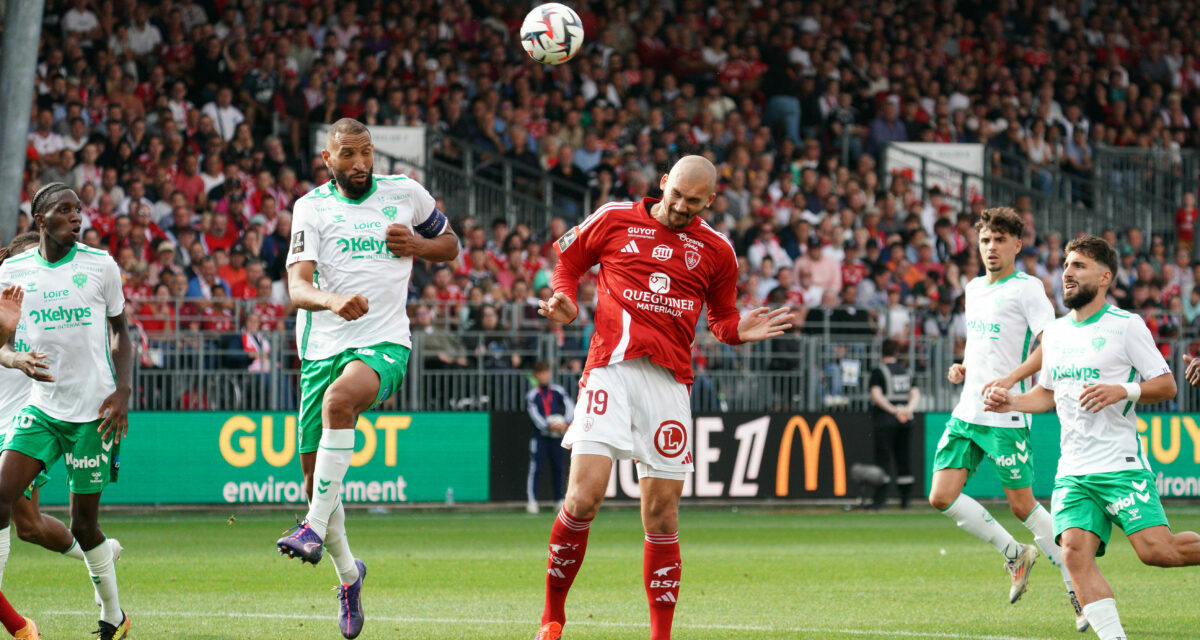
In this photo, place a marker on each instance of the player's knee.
(940, 501)
(27, 530)
(1074, 555)
(581, 505)
(339, 408)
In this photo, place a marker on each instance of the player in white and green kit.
(19, 367)
(72, 301)
(353, 243)
(1006, 311)
(1092, 362)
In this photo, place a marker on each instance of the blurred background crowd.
(185, 127)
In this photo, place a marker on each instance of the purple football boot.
(350, 610)
(304, 544)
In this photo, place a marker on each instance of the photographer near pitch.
(551, 410)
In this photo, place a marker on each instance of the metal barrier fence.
(1126, 188)
(459, 370)
(489, 186)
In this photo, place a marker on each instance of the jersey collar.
(341, 198)
(1004, 279)
(1091, 319)
(65, 259)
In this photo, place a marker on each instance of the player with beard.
(1097, 362)
(659, 265)
(82, 410)
(353, 242)
(1005, 311)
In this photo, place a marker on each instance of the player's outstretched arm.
(114, 411)
(763, 324)
(1159, 389)
(558, 308)
(1032, 365)
(402, 242)
(306, 296)
(1037, 400)
(10, 312)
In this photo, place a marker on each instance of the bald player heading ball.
(659, 265)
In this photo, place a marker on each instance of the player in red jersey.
(659, 264)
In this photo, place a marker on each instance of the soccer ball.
(552, 33)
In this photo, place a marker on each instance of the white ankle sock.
(975, 520)
(1042, 525)
(1102, 614)
(339, 547)
(333, 459)
(76, 551)
(104, 579)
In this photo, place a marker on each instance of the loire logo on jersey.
(671, 438)
(1072, 372)
(56, 295)
(662, 253)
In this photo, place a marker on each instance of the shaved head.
(696, 170)
(687, 190)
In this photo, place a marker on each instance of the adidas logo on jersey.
(667, 597)
(630, 248)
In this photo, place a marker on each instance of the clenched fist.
(350, 307)
(401, 241)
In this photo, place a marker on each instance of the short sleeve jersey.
(64, 315)
(652, 284)
(347, 241)
(1003, 320)
(1110, 347)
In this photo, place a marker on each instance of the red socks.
(12, 620)
(568, 542)
(661, 569)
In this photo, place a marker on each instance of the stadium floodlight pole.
(22, 31)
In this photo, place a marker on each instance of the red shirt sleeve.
(723, 316)
(578, 250)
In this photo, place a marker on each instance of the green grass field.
(747, 574)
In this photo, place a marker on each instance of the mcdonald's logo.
(810, 440)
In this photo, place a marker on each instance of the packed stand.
(185, 128)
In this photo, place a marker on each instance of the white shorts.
(634, 409)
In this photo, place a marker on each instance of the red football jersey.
(652, 284)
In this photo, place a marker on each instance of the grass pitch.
(749, 574)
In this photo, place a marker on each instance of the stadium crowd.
(185, 127)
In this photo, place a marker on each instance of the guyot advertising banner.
(253, 458)
(1171, 443)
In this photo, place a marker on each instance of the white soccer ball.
(552, 33)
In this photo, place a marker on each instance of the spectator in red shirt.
(223, 235)
(158, 314)
(189, 183)
(247, 289)
(853, 269)
(1185, 222)
(273, 314)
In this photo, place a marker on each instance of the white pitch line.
(590, 623)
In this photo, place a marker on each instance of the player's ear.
(712, 196)
(662, 183)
